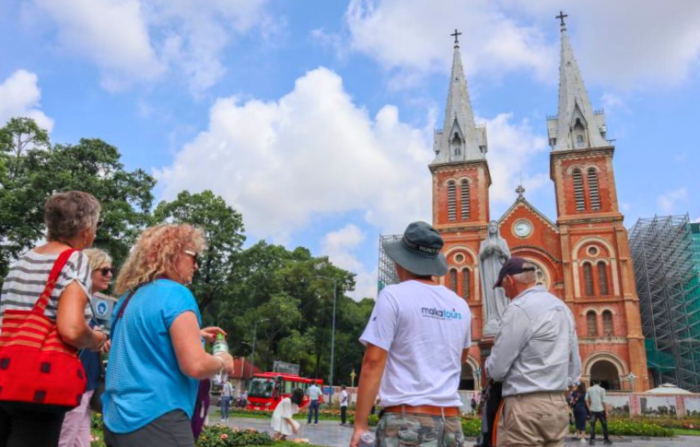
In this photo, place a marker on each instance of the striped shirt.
(28, 276)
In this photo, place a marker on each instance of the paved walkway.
(330, 433)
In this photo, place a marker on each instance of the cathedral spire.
(576, 126)
(459, 139)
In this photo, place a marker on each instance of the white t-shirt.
(343, 398)
(424, 328)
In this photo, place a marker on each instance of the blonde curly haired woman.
(157, 354)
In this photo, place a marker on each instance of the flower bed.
(222, 436)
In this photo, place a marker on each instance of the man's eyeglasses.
(105, 271)
(194, 254)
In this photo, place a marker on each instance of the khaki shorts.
(409, 429)
(537, 419)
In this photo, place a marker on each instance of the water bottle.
(220, 345)
(367, 439)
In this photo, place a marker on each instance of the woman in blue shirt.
(157, 355)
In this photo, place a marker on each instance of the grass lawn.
(685, 432)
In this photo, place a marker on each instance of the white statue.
(493, 253)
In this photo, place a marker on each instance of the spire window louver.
(607, 323)
(453, 280)
(452, 200)
(465, 199)
(593, 189)
(588, 279)
(578, 190)
(603, 278)
(592, 324)
(466, 284)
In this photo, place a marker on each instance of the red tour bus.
(268, 388)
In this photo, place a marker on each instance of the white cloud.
(340, 247)
(667, 201)
(20, 96)
(137, 40)
(625, 43)
(512, 147)
(413, 37)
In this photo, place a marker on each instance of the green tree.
(223, 228)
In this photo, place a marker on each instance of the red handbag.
(36, 366)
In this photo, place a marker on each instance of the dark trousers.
(313, 409)
(343, 415)
(225, 406)
(170, 430)
(596, 415)
(23, 427)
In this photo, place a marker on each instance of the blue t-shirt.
(144, 380)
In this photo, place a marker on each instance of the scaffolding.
(387, 270)
(669, 297)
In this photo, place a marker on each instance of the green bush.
(632, 427)
(221, 436)
(471, 427)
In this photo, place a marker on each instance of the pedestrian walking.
(226, 399)
(580, 409)
(536, 358)
(157, 357)
(598, 405)
(417, 339)
(314, 393)
(44, 298)
(75, 431)
(343, 405)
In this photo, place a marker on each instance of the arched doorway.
(466, 380)
(607, 373)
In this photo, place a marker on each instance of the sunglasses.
(105, 271)
(194, 254)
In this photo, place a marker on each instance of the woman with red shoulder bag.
(43, 325)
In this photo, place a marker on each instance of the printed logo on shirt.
(440, 314)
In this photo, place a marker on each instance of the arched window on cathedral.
(607, 323)
(603, 278)
(592, 324)
(593, 189)
(578, 190)
(457, 145)
(452, 200)
(453, 280)
(465, 199)
(466, 283)
(588, 279)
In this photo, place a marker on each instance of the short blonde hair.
(156, 253)
(97, 258)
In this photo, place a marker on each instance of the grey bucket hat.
(418, 251)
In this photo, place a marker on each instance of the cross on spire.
(456, 35)
(561, 17)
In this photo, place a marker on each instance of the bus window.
(260, 387)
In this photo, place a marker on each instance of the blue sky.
(315, 119)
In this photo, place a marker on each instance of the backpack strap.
(43, 301)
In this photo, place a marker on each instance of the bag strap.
(43, 301)
(123, 308)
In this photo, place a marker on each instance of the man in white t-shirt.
(343, 405)
(417, 339)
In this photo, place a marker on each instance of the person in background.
(282, 422)
(72, 219)
(343, 405)
(578, 404)
(75, 431)
(597, 404)
(157, 357)
(314, 392)
(226, 399)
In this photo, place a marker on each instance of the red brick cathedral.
(583, 257)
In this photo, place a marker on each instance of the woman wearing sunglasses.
(157, 356)
(75, 431)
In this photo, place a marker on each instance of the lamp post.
(255, 335)
(335, 297)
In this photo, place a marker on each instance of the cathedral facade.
(583, 257)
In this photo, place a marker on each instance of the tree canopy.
(285, 296)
